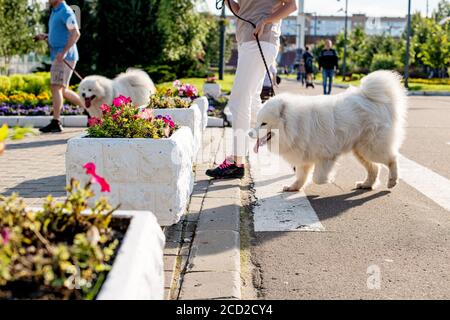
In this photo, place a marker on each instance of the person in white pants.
(245, 100)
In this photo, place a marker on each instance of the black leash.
(74, 71)
(219, 6)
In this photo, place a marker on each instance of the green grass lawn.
(226, 83)
(414, 84)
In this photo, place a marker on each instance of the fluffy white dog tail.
(385, 87)
(137, 83)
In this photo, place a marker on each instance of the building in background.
(309, 28)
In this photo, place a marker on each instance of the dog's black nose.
(252, 133)
(83, 95)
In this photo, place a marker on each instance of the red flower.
(105, 109)
(94, 121)
(95, 178)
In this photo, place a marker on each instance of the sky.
(374, 8)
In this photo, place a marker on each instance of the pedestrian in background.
(308, 58)
(328, 62)
(301, 75)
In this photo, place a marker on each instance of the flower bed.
(39, 110)
(147, 159)
(183, 105)
(61, 252)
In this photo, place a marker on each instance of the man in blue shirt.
(62, 38)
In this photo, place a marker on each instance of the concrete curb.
(211, 270)
(42, 121)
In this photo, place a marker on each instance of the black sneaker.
(53, 127)
(227, 170)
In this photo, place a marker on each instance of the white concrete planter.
(42, 121)
(212, 90)
(191, 117)
(215, 122)
(203, 104)
(145, 174)
(138, 270)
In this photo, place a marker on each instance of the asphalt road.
(381, 244)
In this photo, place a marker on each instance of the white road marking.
(275, 210)
(426, 181)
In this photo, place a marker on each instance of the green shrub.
(161, 73)
(17, 82)
(5, 84)
(34, 83)
(383, 61)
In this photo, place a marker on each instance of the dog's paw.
(364, 185)
(290, 189)
(392, 183)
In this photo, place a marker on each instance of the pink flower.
(181, 90)
(177, 83)
(105, 109)
(95, 178)
(94, 121)
(121, 100)
(147, 114)
(5, 235)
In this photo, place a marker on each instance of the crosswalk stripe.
(426, 181)
(275, 210)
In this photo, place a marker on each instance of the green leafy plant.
(124, 120)
(17, 133)
(166, 100)
(60, 251)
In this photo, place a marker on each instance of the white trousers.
(245, 99)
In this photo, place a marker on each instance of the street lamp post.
(344, 65)
(408, 47)
(222, 44)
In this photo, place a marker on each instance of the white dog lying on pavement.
(98, 90)
(315, 131)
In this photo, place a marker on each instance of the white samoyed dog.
(314, 131)
(98, 90)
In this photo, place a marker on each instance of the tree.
(183, 33)
(212, 41)
(20, 22)
(435, 51)
(443, 11)
(127, 35)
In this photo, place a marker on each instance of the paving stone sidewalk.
(202, 256)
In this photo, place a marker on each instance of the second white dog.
(98, 90)
(315, 131)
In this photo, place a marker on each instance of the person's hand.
(41, 37)
(259, 30)
(61, 56)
